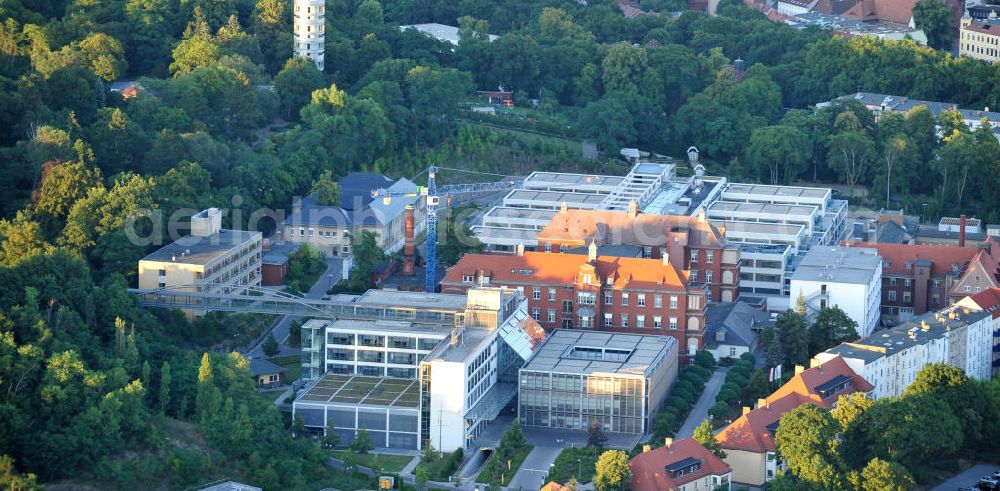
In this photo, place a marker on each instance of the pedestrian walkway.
(535, 468)
(699, 412)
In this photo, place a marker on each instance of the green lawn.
(292, 363)
(389, 463)
(566, 465)
(501, 472)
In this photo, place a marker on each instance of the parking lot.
(968, 478)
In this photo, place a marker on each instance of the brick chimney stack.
(409, 251)
(961, 231)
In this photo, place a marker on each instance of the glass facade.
(571, 401)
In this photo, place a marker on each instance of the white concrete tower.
(309, 27)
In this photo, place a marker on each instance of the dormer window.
(684, 467)
(467, 278)
(587, 278)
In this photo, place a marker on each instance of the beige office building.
(210, 259)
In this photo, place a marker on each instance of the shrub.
(728, 396)
(730, 385)
(719, 411)
(685, 395)
(704, 359)
(677, 404)
(684, 385)
(664, 424)
(701, 373)
(748, 357)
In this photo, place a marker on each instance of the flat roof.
(365, 391)
(564, 179)
(389, 327)
(555, 197)
(762, 208)
(556, 354)
(440, 32)
(279, 252)
(192, 249)
(520, 213)
(521, 235)
(401, 299)
(762, 227)
(839, 265)
(777, 191)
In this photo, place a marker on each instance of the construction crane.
(435, 196)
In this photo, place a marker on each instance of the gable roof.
(356, 189)
(898, 11)
(650, 469)
(988, 300)
(260, 366)
(548, 268)
(809, 383)
(754, 431)
(737, 320)
(580, 227)
(751, 431)
(896, 257)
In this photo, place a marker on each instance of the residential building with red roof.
(749, 441)
(921, 278)
(621, 294)
(690, 242)
(684, 465)
(987, 301)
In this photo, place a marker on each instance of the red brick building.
(691, 243)
(917, 278)
(635, 295)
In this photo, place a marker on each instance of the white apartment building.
(436, 381)
(848, 277)
(890, 359)
(309, 30)
(211, 258)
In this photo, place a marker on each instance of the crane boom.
(434, 196)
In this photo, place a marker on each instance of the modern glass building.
(577, 376)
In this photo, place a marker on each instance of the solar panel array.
(372, 391)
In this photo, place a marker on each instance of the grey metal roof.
(385, 213)
(193, 249)
(645, 353)
(736, 320)
(898, 338)
(308, 214)
(260, 366)
(356, 188)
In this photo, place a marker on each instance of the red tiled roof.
(563, 269)
(899, 11)
(806, 382)
(944, 258)
(617, 227)
(649, 473)
(554, 486)
(750, 431)
(989, 300)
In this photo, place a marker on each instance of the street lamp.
(579, 469)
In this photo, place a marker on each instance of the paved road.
(700, 410)
(318, 290)
(969, 478)
(535, 468)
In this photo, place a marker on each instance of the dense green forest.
(94, 389)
